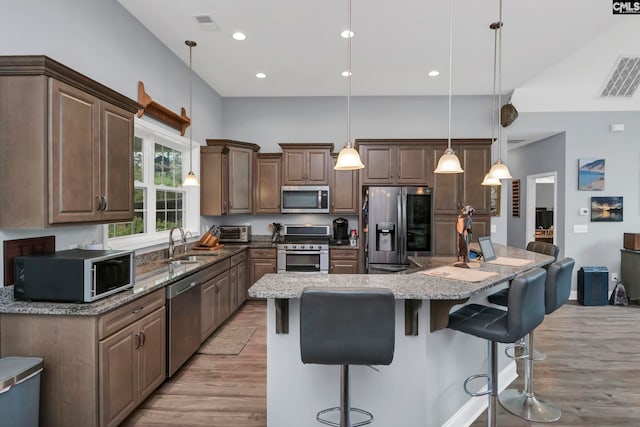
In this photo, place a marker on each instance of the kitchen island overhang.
(423, 384)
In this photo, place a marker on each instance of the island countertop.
(411, 286)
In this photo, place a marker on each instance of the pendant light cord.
(499, 34)
(450, 67)
(191, 44)
(349, 37)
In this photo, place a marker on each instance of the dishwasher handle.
(180, 288)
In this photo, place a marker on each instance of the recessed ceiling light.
(347, 34)
(239, 36)
(434, 73)
(261, 75)
(346, 73)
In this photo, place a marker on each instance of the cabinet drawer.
(262, 253)
(129, 313)
(343, 254)
(212, 271)
(238, 258)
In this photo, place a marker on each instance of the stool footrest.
(520, 351)
(337, 408)
(474, 377)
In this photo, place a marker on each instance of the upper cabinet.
(344, 189)
(66, 144)
(226, 186)
(266, 183)
(306, 164)
(395, 162)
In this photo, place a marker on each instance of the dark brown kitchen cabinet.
(343, 261)
(445, 234)
(226, 188)
(214, 298)
(266, 183)
(261, 262)
(306, 164)
(344, 190)
(238, 278)
(394, 162)
(76, 142)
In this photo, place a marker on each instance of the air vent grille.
(206, 22)
(624, 79)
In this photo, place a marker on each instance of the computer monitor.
(488, 253)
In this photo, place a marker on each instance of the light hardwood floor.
(592, 372)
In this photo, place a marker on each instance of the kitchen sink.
(189, 259)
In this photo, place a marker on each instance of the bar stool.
(525, 312)
(500, 297)
(524, 403)
(347, 326)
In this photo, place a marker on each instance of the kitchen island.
(423, 385)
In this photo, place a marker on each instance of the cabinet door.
(343, 266)
(413, 165)
(116, 153)
(476, 163)
(447, 197)
(152, 353)
(294, 168)
(344, 191)
(260, 267)
(233, 288)
(317, 165)
(208, 298)
(378, 164)
(240, 180)
(445, 235)
(242, 283)
(266, 185)
(74, 156)
(214, 184)
(223, 308)
(119, 375)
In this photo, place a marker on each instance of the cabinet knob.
(144, 338)
(138, 340)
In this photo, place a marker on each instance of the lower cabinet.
(214, 299)
(132, 366)
(261, 262)
(343, 261)
(238, 279)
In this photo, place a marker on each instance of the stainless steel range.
(305, 249)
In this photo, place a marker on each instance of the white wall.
(102, 40)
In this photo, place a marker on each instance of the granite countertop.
(150, 277)
(413, 285)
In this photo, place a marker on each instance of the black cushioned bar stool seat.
(347, 326)
(524, 403)
(525, 312)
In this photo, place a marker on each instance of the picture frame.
(494, 201)
(591, 174)
(607, 209)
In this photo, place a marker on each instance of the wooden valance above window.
(161, 113)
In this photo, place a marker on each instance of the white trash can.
(20, 391)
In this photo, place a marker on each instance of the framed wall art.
(591, 174)
(606, 209)
(495, 200)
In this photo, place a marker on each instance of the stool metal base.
(369, 416)
(529, 407)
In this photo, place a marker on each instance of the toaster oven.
(234, 233)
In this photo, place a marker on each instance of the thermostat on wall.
(584, 211)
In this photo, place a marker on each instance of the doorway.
(542, 207)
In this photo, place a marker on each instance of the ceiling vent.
(624, 79)
(515, 141)
(206, 22)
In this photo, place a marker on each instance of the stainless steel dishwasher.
(183, 321)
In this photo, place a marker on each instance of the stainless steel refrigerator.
(399, 223)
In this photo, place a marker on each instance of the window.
(160, 160)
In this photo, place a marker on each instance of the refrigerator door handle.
(399, 232)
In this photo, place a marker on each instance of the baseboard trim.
(475, 406)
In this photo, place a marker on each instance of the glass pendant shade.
(448, 163)
(348, 159)
(489, 180)
(499, 171)
(190, 180)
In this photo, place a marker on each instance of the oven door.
(303, 261)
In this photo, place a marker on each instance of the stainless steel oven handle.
(319, 199)
(304, 252)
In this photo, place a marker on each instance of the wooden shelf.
(160, 112)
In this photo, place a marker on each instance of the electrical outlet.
(614, 277)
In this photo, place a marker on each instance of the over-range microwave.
(304, 199)
(75, 275)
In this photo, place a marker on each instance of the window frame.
(152, 134)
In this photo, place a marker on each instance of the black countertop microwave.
(305, 199)
(75, 275)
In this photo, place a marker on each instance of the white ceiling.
(297, 44)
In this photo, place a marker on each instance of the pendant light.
(449, 162)
(488, 178)
(498, 170)
(190, 180)
(348, 158)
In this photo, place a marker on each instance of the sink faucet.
(172, 242)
